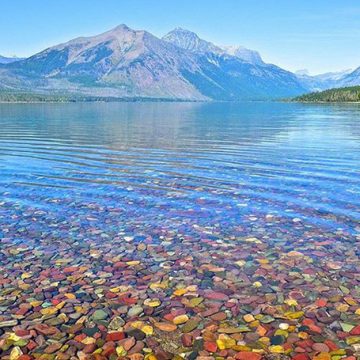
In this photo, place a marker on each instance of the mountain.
(8, 60)
(347, 94)
(127, 63)
(323, 81)
(121, 62)
(334, 76)
(324, 76)
(351, 79)
(302, 72)
(250, 56)
(189, 40)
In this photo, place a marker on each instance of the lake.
(235, 218)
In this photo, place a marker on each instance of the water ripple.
(227, 162)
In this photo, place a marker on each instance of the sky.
(318, 35)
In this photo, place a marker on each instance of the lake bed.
(180, 230)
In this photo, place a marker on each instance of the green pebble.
(344, 289)
(346, 327)
(90, 331)
(21, 342)
(267, 319)
(99, 315)
(190, 326)
(277, 340)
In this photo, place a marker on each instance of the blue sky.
(319, 35)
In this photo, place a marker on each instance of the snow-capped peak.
(250, 56)
(188, 40)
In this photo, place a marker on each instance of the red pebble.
(210, 346)
(32, 345)
(321, 302)
(315, 329)
(115, 336)
(308, 322)
(305, 343)
(110, 295)
(22, 311)
(80, 337)
(169, 317)
(187, 340)
(300, 357)
(332, 346)
(22, 332)
(70, 269)
(229, 304)
(355, 330)
(248, 355)
(129, 300)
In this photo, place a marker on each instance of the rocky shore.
(254, 292)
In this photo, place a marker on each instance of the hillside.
(123, 64)
(126, 63)
(9, 60)
(346, 94)
(11, 96)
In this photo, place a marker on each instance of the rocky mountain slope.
(323, 81)
(8, 60)
(190, 41)
(351, 79)
(127, 63)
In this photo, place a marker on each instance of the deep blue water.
(84, 170)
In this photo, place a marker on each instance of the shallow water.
(216, 162)
(197, 230)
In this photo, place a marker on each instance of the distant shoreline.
(321, 102)
(173, 101)
(332, 96)
(36, 98)
(33, 98)
(326, 102)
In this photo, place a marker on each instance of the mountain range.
(188, 40)
(8, 60)
(327, 80)
(127, 63)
